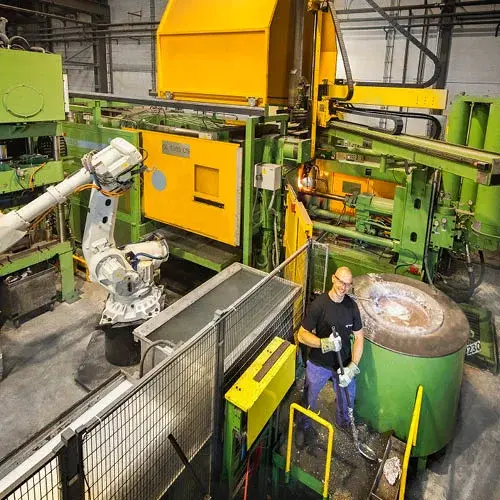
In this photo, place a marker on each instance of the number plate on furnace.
(473, 348)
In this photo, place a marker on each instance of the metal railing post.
(218, 402)
(309, 271)
(71, 466)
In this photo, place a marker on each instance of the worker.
(331, 319)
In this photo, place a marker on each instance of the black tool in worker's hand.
(365, 450)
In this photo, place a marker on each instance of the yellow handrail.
(412, 439)
(329, 448)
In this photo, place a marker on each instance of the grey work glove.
(331, 343)
(350, 371)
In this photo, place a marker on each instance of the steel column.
(248, 191)
(218, 403)
(71, 466)
(444, 42)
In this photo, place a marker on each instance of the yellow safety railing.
(412, 439)
(329, 448)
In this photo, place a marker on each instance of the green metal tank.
(414, 335)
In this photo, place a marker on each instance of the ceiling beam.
(86, 6)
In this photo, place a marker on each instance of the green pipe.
(356, 235)
(319, 212)
(248, 191)
(382, 206)
(477, 132)
(488, 197)
(456, 133)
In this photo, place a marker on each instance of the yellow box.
(225, 52)
(194, 184)
(259, 391)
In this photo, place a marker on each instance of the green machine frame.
(424, 222)
(101, 121)
(33, 107)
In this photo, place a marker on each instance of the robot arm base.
(120, 310)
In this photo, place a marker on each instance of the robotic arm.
(127, 274)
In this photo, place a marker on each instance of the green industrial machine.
(263, 140)
(31, 151)
(421, 220)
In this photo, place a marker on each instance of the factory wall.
(132, 58)
(474, 61)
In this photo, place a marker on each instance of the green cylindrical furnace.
(415, 335)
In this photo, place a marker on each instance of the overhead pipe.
(436, 25)
(102, 29)
(487, 13)
(148, 33)
(43, 14)
(435, 5)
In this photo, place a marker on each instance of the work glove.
(350, 371)
(331, 343)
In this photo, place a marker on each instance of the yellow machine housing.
(194, 184)
(259, 391)
(225, 52)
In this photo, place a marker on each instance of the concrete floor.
(42, 356)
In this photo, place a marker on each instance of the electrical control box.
(267, 176)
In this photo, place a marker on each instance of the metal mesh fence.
(44, 484)
(320, 278)
(127, 455)
(126, 451)
(274, 307)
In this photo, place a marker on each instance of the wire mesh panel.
(320, 277)
(127, 455)
(44, 484)
(274, 307)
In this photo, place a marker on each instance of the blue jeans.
(316, 379)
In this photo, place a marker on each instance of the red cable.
(247, 476)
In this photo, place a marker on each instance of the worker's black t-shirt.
(324, 313)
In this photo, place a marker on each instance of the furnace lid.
(404, 315)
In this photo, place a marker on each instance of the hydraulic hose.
(343, 52)
(470, 271)
(24, 42)
(395, 25)
(473, 284)
(416, 42)
(436, 124)
(162, 343)
(394, 116)
(397, 120)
